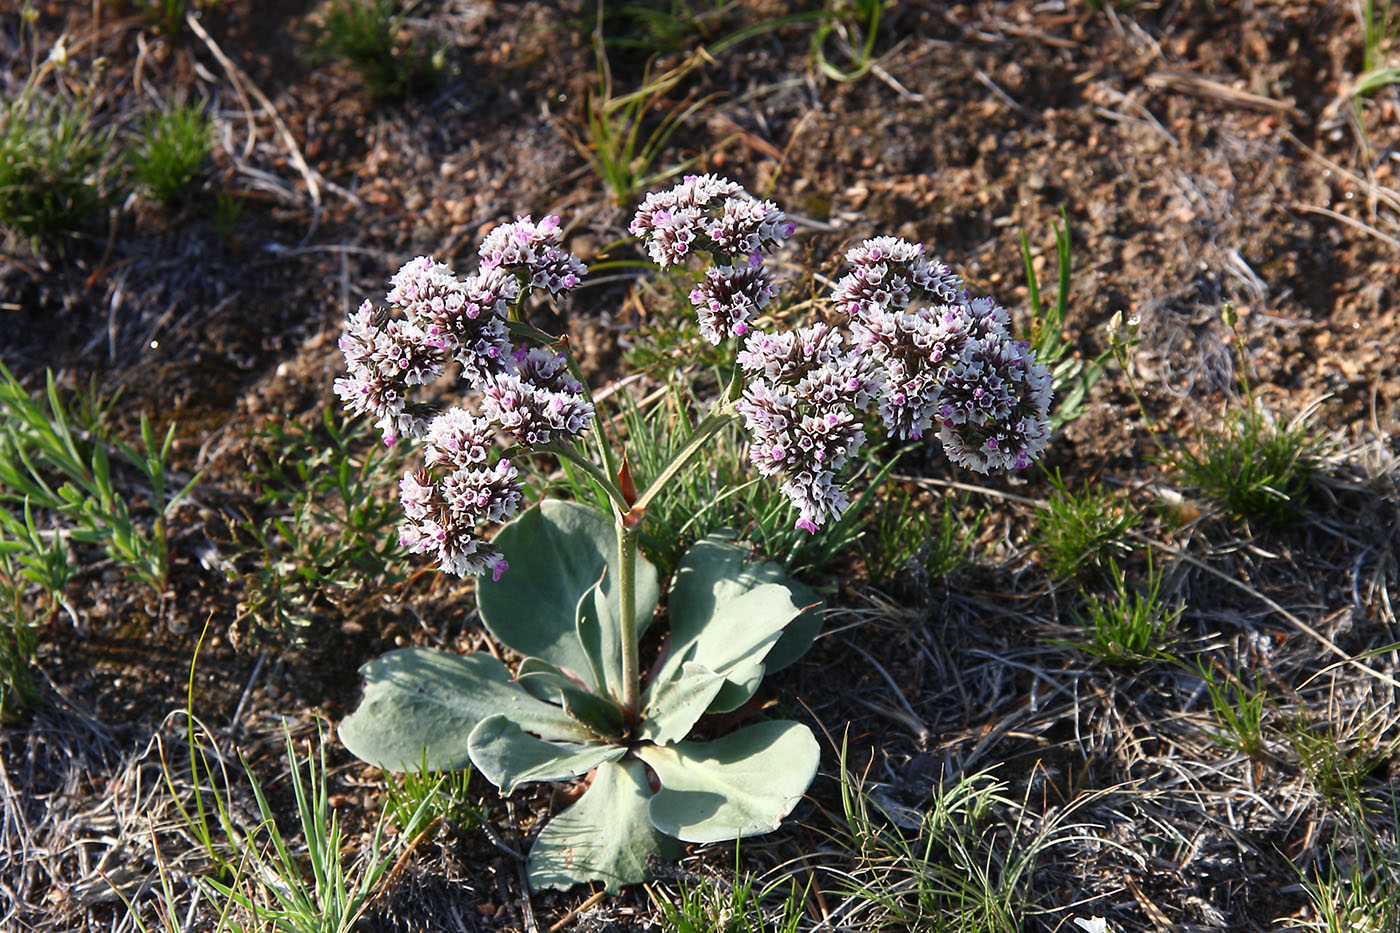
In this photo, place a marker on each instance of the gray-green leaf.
(605, 836)
(725, 561)
(740, 785)
(727, 615)
(509, 756)
(556, 551)
(423, 701)
(672, 706)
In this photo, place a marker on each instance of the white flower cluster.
(951, 362)
(802, 407)
(528, 394)
(714, 215)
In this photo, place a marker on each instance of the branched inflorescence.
(950, 362)
(921, 350)
(705, 213)
(802, 407)
(526, 393)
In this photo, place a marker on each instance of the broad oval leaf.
(605, 836)
(717, 569)
(728, 615)
(422, 701)
(740, 785)
(557, 551)
(510, 756)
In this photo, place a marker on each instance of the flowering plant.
(568, 590)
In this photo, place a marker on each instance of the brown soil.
(1201, 153)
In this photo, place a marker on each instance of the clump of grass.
(417, 799)
(315, 890)
(1238, 710)
(171, 148)
(1079, 533)
(166, 15)
(1132, 630)
(55, 177)
(58, 458)
(961, 862)
(1360, 889)
(853, 24)
(30, 559)
(714, 905)
(369, 35)
(903, 534)
(1338, 754)
(1252, 468)
(328, 524)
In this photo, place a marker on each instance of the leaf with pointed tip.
(670, 707)
(544, 680)
(421, 701)
(605, 836)
(556, 551)
(509, 756)
(740, 785)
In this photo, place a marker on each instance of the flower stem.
(713, 423)
(567, 452)
(628, 534)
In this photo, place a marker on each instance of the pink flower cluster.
(527, 394)
(454, 492)
(537, 400)
(711, 214)
(802, 408)
(951, 363)
(922, 351)
(532, 251)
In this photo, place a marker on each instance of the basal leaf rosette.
(559, 717)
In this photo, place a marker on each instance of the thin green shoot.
(1073, 377)
(1132, 629)
(1239, 710)
(620, 153)
(855, 25)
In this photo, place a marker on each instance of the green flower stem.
(713, 423)
(627, 538)
(571, 454)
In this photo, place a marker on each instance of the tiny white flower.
(58, 55)
(1092, 925)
